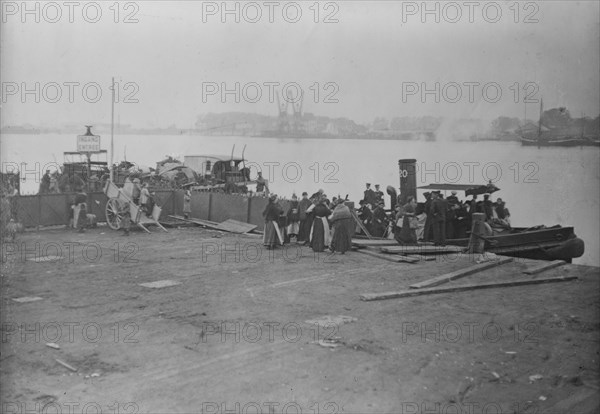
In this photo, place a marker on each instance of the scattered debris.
(64, 364)
(42, 259)
(536, 377)
(328, 321)
(160, 284)
(94, 375)
(26, 299)
(326, 343)
(495, 374)
(510, 352)
(542, 398)
(52, 345)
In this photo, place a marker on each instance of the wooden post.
(248, 214)
(476, 244)
(39, 220)
(173, 203)
(209, 218)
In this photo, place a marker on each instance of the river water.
(540, 186)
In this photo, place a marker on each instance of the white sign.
(88, 143)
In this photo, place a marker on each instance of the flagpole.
(112, 129)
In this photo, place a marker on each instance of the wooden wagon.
(120, 201)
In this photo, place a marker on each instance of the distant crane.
(283, 121)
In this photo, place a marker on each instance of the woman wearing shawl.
(319, 233)
(272, 235)
(293, 218)
(408, 233)
(341, 241)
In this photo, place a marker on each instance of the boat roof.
(216, 157)
(449, 187)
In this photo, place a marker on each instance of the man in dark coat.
(429, 219)
(45, 185)
(439, 206)
(369, 195)
(378, 194)
(305, 223)
(488, 208)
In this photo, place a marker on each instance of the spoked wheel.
(114, 213)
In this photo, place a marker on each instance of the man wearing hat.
(453, 199)
(488, 208)
(369, 195)
(438, 211)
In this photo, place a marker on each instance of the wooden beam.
(447, 277)
(390, 258)
(544, 266)
(374, 242)
(447, 289)
(421, 249)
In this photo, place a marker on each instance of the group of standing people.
(314, 221)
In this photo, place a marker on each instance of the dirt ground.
(235, 335)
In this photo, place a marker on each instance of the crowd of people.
(314, 221)
(435, 220)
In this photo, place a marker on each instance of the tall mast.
(112, 129)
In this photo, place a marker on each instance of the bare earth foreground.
(238, 333)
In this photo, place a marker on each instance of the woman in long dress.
(408, 233)
(187, 204)
(293, 218)
(272, 235)
(341, 219)
(319, 233)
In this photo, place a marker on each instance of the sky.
(360, 59)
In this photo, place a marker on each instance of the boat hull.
(555, 243)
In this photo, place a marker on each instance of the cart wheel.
(114, 213)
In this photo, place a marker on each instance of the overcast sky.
(365, 60)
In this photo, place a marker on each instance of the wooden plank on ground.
(544, 266)
(203, 223)
(234, 226)
(422, 257)
(421, 249)
(447, 289)
(457, 274)
(374, 242)
(390, 258)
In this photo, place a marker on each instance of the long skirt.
(272, 235)
(406, 235)
(341, 240)
(304, 232)
(319, 234)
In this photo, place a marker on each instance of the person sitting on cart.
(136, 191)
(145, 199)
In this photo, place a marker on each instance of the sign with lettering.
(88, 143)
